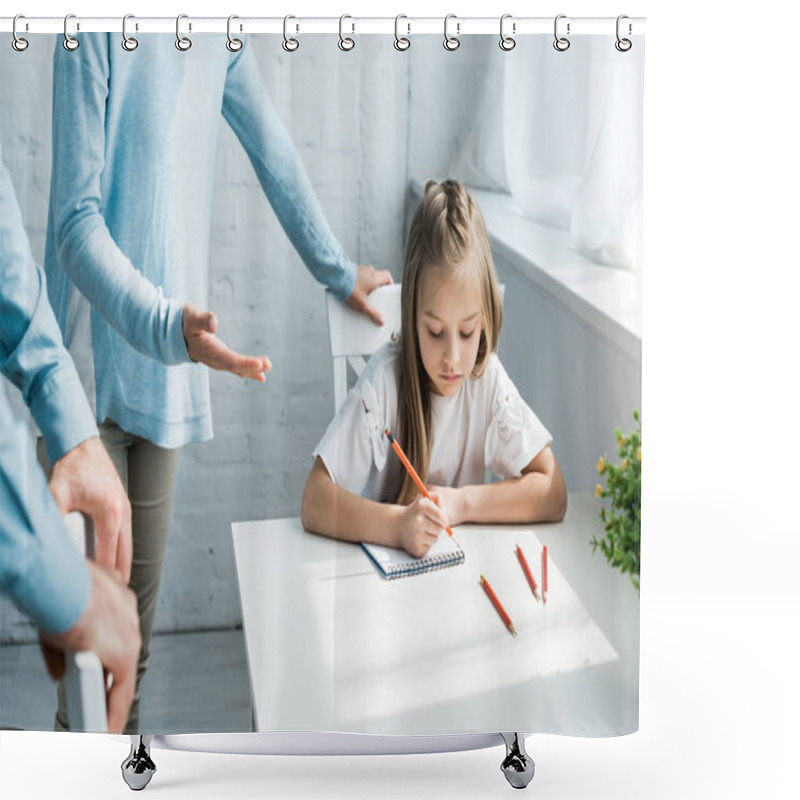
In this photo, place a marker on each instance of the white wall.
(580, 384)
(447, 95)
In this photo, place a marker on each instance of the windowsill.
(606, 299)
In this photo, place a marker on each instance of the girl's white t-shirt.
(487, 425)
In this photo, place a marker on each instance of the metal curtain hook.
(18, 43)
(623, 45)
(233, 44)
(345, 42)
(561, 43)
(70, 42)
(128, 42)
(400, 42)
(451, 42)
(289, 45)
(507, 42)
(182, 42)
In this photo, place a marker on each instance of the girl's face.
(449, 325)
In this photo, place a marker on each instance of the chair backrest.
(354, 336)
(84, 680)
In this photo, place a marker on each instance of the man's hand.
(367, 279)
(203, 345)
(109, 627)
(85, 480)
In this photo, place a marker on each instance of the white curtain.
(569, 149)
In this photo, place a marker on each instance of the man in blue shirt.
(34, 359)
(75, 604)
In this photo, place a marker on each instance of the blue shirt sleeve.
(247, 108)
(32, 354)
(85, 247)
(41, 570)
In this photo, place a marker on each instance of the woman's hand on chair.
(367, 279)
(205, 347)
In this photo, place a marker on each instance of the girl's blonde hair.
(447, 234)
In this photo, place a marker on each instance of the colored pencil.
(544, 575)
(411, 471)
(498, 606)
(528, 574)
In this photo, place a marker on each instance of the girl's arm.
(333, 511)
(538, 495)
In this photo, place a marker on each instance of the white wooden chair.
(354, 336)
(84, 680)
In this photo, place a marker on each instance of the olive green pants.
(148, 475)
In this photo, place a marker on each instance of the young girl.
(443, 393)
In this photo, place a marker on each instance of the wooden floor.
(195, 683)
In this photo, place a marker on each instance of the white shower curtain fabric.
(562, 133)
(293, 630)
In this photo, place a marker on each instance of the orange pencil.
(528, 574)
(411, 471)
(544, 575)
(497, 604)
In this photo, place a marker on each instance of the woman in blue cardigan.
(134, 144)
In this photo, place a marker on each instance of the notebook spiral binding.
(429, 565)
(451, 42)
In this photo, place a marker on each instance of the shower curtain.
(311, 163)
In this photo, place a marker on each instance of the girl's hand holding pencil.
(427, 511)
(420, 526)
(447, 498)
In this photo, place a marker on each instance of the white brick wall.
(348, 116)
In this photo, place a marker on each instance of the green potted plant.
(622, 516)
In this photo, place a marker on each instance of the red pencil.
(544, 575)
(528, 574)
(498, 605)
(411, 471)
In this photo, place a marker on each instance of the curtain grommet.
(507, 43)
(561, 43)
(183, 43)
(70, 42)
(451, 43)
(401, 43)
(17, 42)
(289, 44)
(346, 43)
(233, 44)
(623, 45)
(128, 42)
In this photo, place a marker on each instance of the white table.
(331, 645)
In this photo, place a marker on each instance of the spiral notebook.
(393, 563)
